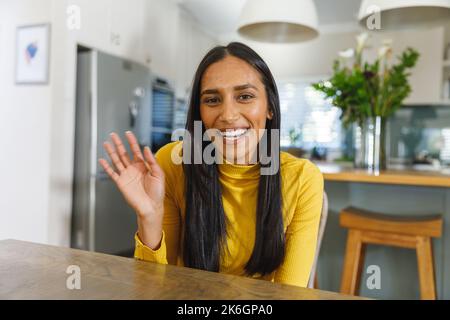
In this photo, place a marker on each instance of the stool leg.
(316, 282)
(426, 269)
(353, 263)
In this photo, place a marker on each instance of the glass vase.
(370, 145)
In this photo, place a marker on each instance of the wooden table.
(36, 271)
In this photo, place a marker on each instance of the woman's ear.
(270, 115)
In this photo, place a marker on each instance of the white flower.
(347, 54)
(327, 84)
(361, 42)
(383, 51)
(386, 49)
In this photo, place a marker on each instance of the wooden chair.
(367, 227)
(313, 282)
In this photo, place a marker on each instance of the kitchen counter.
(35, 271)
(397, 176)
(399, 191)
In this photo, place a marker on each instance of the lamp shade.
(405, 14)
(279, 21)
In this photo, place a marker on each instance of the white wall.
(25, 116)
(315, 58)
(427, 74)
(310, 58)
(36, 193)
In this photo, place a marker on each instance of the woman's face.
(233, 100)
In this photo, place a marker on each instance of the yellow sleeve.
(167, 253)
(142, 252)
(302, 232)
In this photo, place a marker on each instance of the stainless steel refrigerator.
(113, 94)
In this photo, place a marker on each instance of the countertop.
(397, 176)
(35, 271)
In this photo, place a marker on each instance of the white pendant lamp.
(278, 21)
(403, 14)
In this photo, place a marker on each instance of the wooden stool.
(367, 227)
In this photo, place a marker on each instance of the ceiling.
(221, 16)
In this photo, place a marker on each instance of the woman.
(227, 216)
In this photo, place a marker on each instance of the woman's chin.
(239, 156)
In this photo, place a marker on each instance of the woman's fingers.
(155, 168)
(134, 146)
(114, 157)
(121, 151)
(113, 175)
(121, 159)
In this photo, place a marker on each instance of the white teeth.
(233, 133)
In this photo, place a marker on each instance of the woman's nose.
(230, 112)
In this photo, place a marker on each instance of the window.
(445, 150)
(163, 103)
(306, 114)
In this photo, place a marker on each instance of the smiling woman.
(234, 100)
(228, 216)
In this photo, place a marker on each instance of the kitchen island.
(393, 176)
(404, 192)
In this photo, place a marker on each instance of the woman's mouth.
(231, 136)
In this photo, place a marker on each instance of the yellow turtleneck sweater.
(302, 193)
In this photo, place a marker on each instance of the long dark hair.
(205, 222)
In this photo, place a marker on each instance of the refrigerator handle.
(133, 109)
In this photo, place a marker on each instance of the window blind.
(307, 113)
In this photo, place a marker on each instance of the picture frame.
(32, 54)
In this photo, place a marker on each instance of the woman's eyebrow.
(209, 91)
(236, 88)
(245, 86)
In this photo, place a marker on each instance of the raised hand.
(140, 180)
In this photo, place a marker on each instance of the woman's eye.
(211, 100)
(245, 97)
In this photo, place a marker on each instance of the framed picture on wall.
(33, 54)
